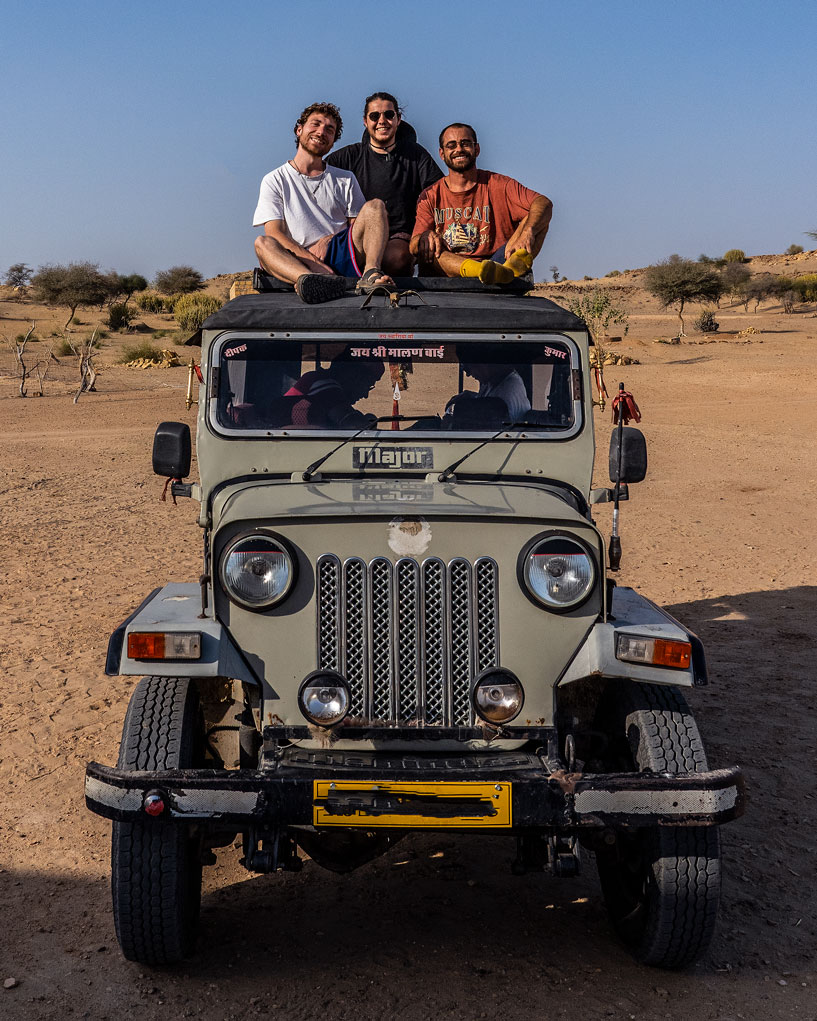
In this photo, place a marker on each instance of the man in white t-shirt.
(318, 228)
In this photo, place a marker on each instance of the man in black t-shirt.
(390, 165)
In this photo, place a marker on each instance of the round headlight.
(559, 572)
(257, 571)
(498, 695)
(324, 697)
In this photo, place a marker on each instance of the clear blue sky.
(136, 135)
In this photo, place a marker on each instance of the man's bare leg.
(279, 261)
(397, 258)
(448, 263)
(370, 233)
(486, 270)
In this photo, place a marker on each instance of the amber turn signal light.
(164, 645)
(654, 651)
(675, 654)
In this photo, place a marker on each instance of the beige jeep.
(405, 622)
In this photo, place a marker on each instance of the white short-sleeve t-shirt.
(312, 207)
(512, 391)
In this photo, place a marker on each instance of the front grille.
(408, 637)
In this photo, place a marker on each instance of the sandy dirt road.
(722, 533)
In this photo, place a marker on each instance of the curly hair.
(328, 110)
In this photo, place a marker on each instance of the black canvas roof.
(446, 311)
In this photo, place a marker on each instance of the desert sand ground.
(722, 533)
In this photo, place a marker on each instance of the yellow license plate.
(385, 803)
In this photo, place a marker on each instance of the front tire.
(661, 884)
(156, 863)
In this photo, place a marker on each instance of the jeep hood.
(408, 498)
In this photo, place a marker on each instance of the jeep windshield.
(423, 384)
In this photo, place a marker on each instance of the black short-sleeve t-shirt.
(396, 177)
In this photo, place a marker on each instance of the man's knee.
(374, 208)
(264, 244)
(397, 258)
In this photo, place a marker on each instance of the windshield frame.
(413, 339)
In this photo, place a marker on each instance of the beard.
(313, 147)
(462, 166)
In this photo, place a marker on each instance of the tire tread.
(155, 885)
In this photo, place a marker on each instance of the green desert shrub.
(63, 349)
(806, 287)
(192, 309)
(143, 350)
(149, 301)
(794, 250)
(152, 301)
(599, 313)
(705, 321)
(120, 316)
(734, 255)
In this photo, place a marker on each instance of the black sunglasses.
(375, 115)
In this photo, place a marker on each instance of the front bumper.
(504, 791)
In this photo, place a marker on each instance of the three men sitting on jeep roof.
(320, 226)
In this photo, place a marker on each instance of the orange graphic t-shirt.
(476, 222)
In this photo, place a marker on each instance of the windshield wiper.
(448, 472)
(309, 472)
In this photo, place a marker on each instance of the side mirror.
(633, 459)
(171, 450)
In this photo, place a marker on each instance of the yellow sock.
(470, 268)
(520, 263)
(495, 273)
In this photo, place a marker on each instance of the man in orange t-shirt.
(475, 223)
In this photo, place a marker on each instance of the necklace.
(307, 177)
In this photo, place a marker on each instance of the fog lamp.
(498, 695)
(324, 697)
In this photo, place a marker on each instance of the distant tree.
(734, 255)
(705, 259)
(811, 234)
(760, 288)
(678, 281)
(118, 286)
(178, 280)
(735, 277)
(131, 283)
(555, 273)
(19, 275)
(794, 249)
(79, 283)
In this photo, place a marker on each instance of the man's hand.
(429, 246)
(523, 241)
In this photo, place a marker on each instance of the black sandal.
(366, 283)
(314, 288)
